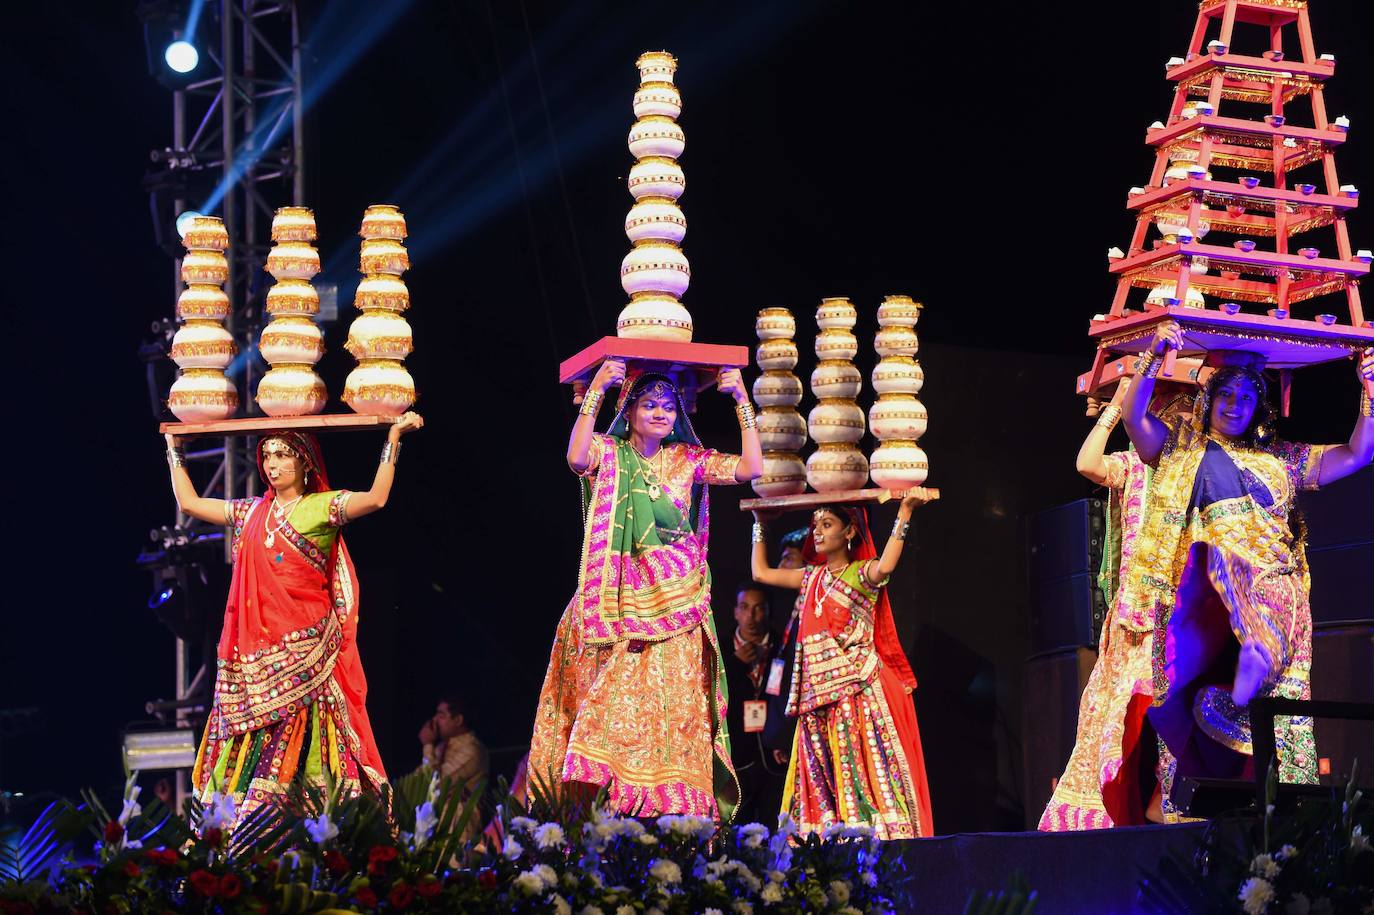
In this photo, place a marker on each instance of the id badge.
(755, 715)
(774, 685)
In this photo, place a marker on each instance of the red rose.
(113, 831)
(204, 882)
(486, 879)
(366, 897)
(214, 835)
(230, 886)
(338, 865)
(131, 869)
(429, 888)
(402, 894)
(379, 857)
(161, 857)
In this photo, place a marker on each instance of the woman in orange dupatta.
(290, 694)
(856, 758)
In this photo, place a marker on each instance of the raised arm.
(1148, 432)
(1342, 460)
(365, 503)
(892, 551)
(215, 511)
(1090, 461)
(750, 466)
(759, 568)
(611, 372)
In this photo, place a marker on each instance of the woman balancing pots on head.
(856, 757)
(1218, 566)
(290, 695)
(634, 698)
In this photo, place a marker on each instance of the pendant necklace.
(282, 513)
(834, 580)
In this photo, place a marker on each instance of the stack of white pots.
(782, 431)
(202, 348)
(655, 273)
(897, 418)
(380, 337)
(291, 342)
(836, 423)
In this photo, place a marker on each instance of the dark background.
(975, 158)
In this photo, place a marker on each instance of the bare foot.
(1251, 669)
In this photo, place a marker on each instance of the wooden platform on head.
(701, 359)
(844, 497)
(257, 425)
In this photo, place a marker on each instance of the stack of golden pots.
(836, 423)
(897, 418)
(380, 338)
(778, 391)
(291, 342)
(202, 347)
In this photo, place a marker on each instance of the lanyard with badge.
(774, 686)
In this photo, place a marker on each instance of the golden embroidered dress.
(1217, 565)
(634, 697)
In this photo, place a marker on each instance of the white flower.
(712, 912)
(560, 905)
(218, 811)
(592, 910)
(546, 874)
(512, 849)
(869, 878)
(858, 831)
(130, 843)
(1284, 853)
(776, 876)
(747, 877)
(1359, 842)
(1264, 866)
(1298, 905)
(549, 835)
(625, 910)
(321, 829)
(528, 882)
(838, 892)
(1255, 895)
(524, 824)
(753, 835)
(665, 870)
(771, 893)
(850, 910)
(648, 838)
(832, 831)
(425, 821)
(743, 908)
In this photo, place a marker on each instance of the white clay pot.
(655, 267)
(656, 135)
(1163, 292)
(832, 421)
(294, 224)
(655, 219)
(381, 292)
(896, 341)
(203, 345)
(659, 98)
(654, 316)
(656, 67)
(897, 417)
(382, 220)
(898, 465)
(293, 298)
(293, 260)
(656, 177)
(292, 390)
(783, 475)
(777, 389)
(383, 255)
(836, 379)
(380, 335)
(203, 395)
(207, 233)
(899, 310)
(836, 467)
(203, 303)
(291, 340)
(778, 355)
(775, 324)
(898, 375)
(204, 268)
(836, 314)
(836, 345)
(781, 429)
(379, 388)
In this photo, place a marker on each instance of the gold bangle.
(745, 412)
(1366, 404)
(176, 457)
(1110, 415)
(591, 402)
(1148, 365)
(757, 535)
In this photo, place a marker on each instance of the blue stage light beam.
(341, 35)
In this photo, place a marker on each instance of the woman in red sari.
(856, 757)
(290, 695)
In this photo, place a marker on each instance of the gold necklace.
(282, 513)
(825, 593)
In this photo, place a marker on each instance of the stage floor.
(1095, 872)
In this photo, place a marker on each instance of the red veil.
(885, 640)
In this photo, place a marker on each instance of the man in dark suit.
(779, 729)
(749, 656)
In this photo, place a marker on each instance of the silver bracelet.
(758, 532)
(176, 457)
(899, 528)
(391, 452)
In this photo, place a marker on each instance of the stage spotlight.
(181, 56)
(184, 221)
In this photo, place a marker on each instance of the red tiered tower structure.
(1236, 115)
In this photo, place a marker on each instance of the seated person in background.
(748, 659)
(449, 745)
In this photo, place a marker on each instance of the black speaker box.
(1053, 684)
(1343, 671)
(1342, 513)
(1065, 540)
(1066, 612)
(1342, 582)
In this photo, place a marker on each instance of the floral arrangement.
(1313, 859)
(324, 851)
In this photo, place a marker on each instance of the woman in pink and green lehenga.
(290, 694)
(634, 698)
